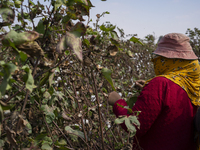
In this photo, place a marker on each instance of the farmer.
(169, 101)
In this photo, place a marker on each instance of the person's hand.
(113, 97)
(139, 84)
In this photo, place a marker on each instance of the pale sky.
(143, 17)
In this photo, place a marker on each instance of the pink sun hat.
(175, 45)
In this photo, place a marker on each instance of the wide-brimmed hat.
(175, 45)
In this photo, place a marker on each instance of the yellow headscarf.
(185, 73)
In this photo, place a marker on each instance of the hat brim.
(169, 53)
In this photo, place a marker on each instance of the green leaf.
(121, 31)
(107, 75)
(44, 79)
(82, 2)
(40, 27)
(29, 127)
(120, 105)
(47, 139)
(103, 28)
(129, 53)
(131, 101)
(84, 6)
(26, 15)
(107, 12)
(72, 41)
(46, 146)
(59, 3)
(115, 42)
(51, 78)
(40, 137)
(129, 121)
(60, 95)
(69, 130)
(8, 69)
(86, 42)
(51, 90)
(19, 38)
(7, 14)
(48, 111)
(120, 120)
(23, 56)
(16, 27)
(136, 40)
(8, 107)
(18, 4)
(29, 78)
(131, 128)
(62, 142)
(65, 19)
(134, 120)
(114, 35)
(79, 29)
(1, 141)
(90, 31)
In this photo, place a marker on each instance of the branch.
(62, 133)
(99, 109)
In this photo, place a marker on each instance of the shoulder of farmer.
(156, 85)
(159, 80)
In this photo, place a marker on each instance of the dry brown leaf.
(66, 117)
(11, 136)
(93, 40)
(83, 88)
(78, 87)
(30, 114)
(16, 71)
(49, 63)
(66, 63)
(99, 67)
(114, 76)
(98, 15)
(100, 84)
(31, 48)
(106, 95)
(113, 49)
(22, 123)
(14, 115)
(69, 25)
(91, 91)
(87, 61)
(2, 103)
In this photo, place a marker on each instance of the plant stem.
(47, 127)
(81, 115)
(14, 94)
(27, 91)
(99, 109)
(63, 134)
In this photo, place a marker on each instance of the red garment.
(166, 116)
